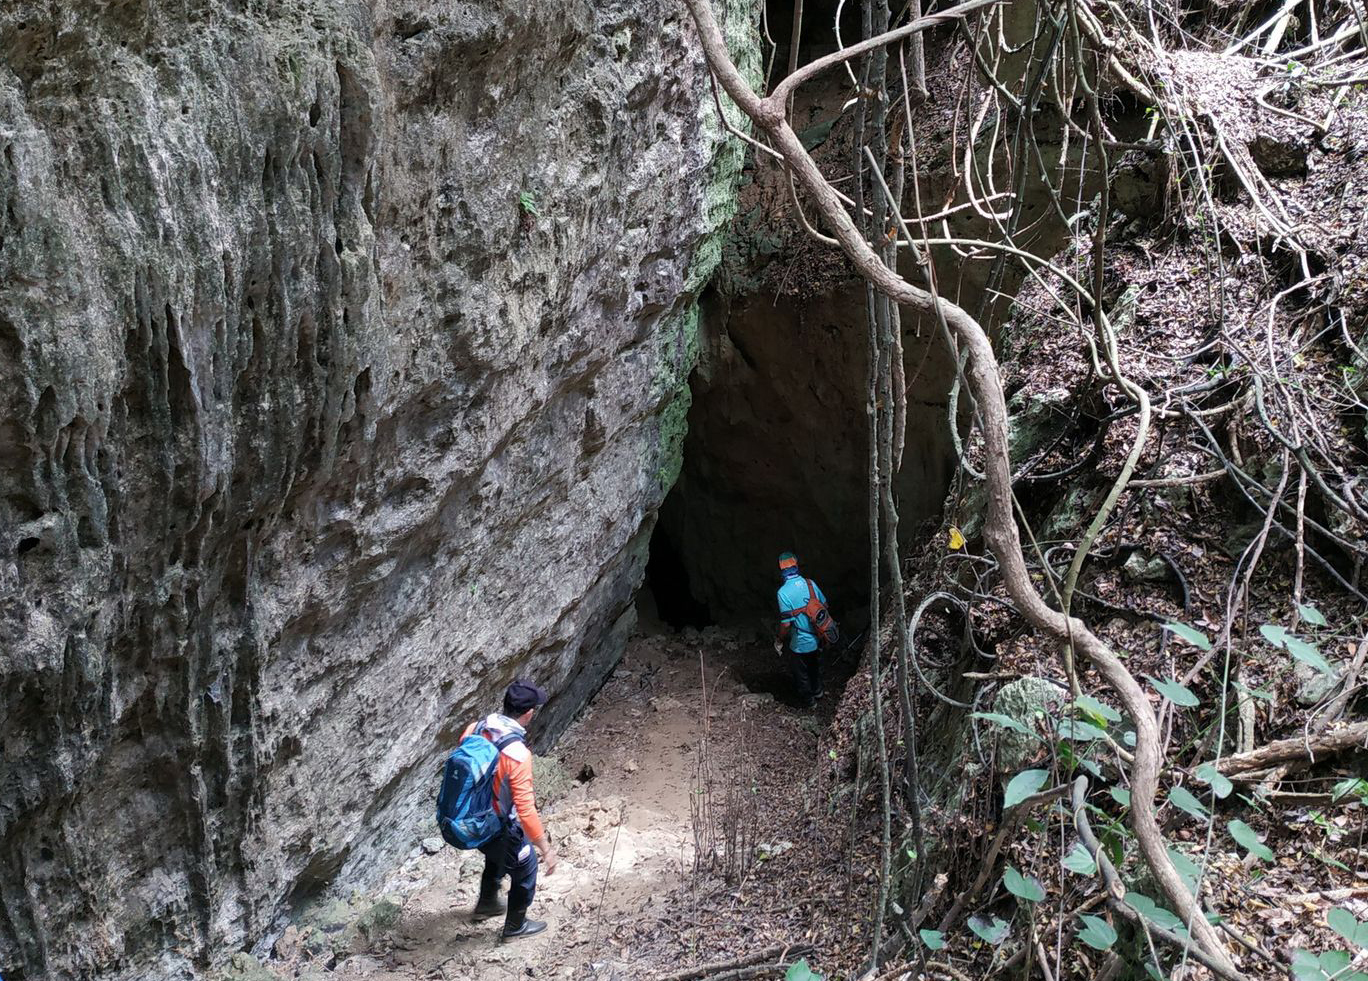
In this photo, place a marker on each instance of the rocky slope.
(343, 350)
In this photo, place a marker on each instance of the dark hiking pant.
(510, 854)
(807, 675)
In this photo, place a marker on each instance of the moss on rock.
(551, 779)
(1027, 700)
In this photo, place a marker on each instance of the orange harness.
(818, 615)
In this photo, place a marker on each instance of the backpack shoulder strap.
(504, 741)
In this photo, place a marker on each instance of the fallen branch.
(741, 973)
(1298, 748)
(777, 953)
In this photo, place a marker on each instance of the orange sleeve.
(468, 730)
(518, 773)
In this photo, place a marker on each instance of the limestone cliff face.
(343, 349)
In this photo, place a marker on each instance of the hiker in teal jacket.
(796, 631)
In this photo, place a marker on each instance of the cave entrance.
(667, 597)
(776, 459)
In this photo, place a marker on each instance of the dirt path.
(629, 826)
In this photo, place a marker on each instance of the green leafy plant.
(527, 201)
(1299, 649)
(1181, 798)
(1080, 860)
(1350, 787)
(1248, 839)
(1307, 966)
(991, 929)
(1348, 926)
(1079, 731)
(1099, 713)
(1023, 785)
(1194, 637)
(1023, 887)
(1155, 913)
(934, 939)
(1220, 784)
(1006, 721)
(1311, 615)
(1174, 692)
(1097, 932)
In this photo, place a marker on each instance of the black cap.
(523, 695)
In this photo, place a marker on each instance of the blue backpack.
(465, 804)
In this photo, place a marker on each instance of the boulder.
(1028, 701)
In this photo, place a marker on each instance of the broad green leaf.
(801, 972)
(1348, 926)
(1006, 721)
(1188, 870)
(1351, 787)
(1334, 961)
(934, 939)
(1194, 637)
(1121, 795)
(1153, 912)
(1247, 837)
(1306, 966)
(1025, 887)
(1275, 635)
(1079, 731)
(1182, 799)
(1101, 712)
(1128, 737)
(990, 928)
(1097, 932)
(1331, 964)
(1307, 654)
(1174, 692)
(1218, 782)
(1080, 860)
(1154, 972)
(1311, 615)
(1023, 785)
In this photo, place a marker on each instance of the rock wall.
(343, 359)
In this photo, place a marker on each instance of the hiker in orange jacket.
(511, 853)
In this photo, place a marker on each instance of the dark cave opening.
(667, 592)
(776, 459)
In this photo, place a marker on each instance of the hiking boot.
(487, 909)
(518, 925)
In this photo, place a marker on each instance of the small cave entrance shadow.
(666, 597)
(763, 672)
(668, 604)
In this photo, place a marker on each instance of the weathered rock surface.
(343, 350)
